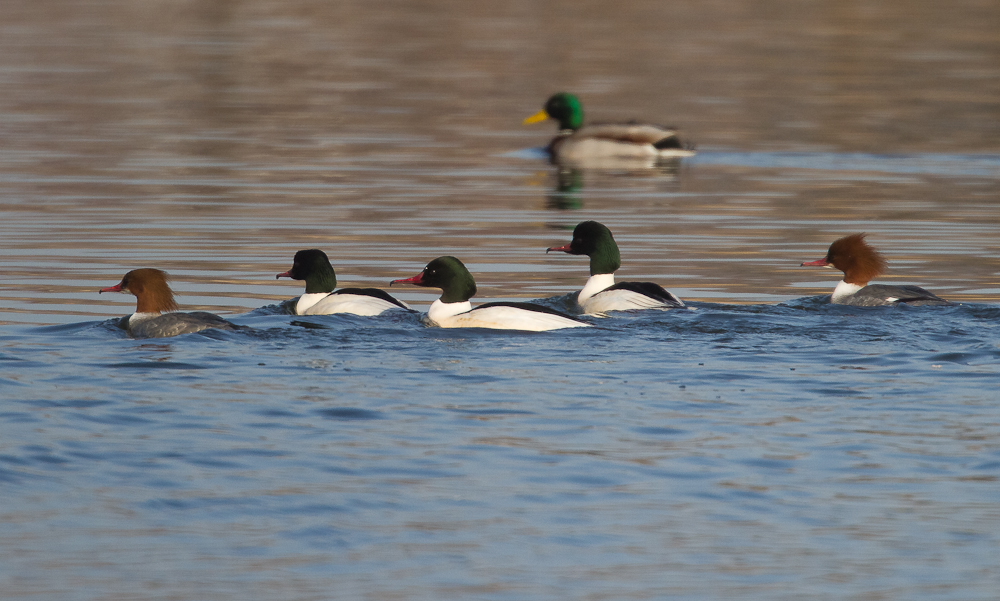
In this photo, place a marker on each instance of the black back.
(648, 289)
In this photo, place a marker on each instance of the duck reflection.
(567, 194)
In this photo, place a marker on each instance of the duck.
(613, 142)
(601, 294)
(861, 263)
(453, 309)
(156, 314)
(320, 298)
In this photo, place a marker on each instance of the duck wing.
(874, 295)
(373, 292)
(654, 291)
(175, 324)
(632, 133)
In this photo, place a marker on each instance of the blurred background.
(213, 139)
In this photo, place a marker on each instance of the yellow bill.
(539, 116)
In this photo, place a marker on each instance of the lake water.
(764, 445)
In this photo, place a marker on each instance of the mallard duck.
(576, 143)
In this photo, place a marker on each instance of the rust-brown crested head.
(151, 291)
(859, 261)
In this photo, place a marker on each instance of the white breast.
(843, 291)
(595, 284)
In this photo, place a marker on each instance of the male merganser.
(453, 309)
(155, 315)
(576, 143)
(314, 267)
(601, 294)
(861, 263)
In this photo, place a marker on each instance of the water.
(769, 450)
(765, 445)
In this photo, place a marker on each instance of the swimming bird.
(579, 144)
(601, 293)
(453, 309)
(155, 314)
(320, 298)
(861, 263)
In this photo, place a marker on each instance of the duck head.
(564, 108)
(594, 240)
(314, 267)
(450, 275)
(856, 258)
(149, 286)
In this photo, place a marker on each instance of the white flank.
(322, 303)
(461, 315)
(621, 300)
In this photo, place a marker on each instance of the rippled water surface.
(762, 445)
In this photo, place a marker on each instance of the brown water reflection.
(215, 139)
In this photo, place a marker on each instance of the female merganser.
(601, 294)
(861, 263)
(576, 143)
(154, 316)
(314, 267)
(453, 309)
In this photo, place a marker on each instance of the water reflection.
(567, 195)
